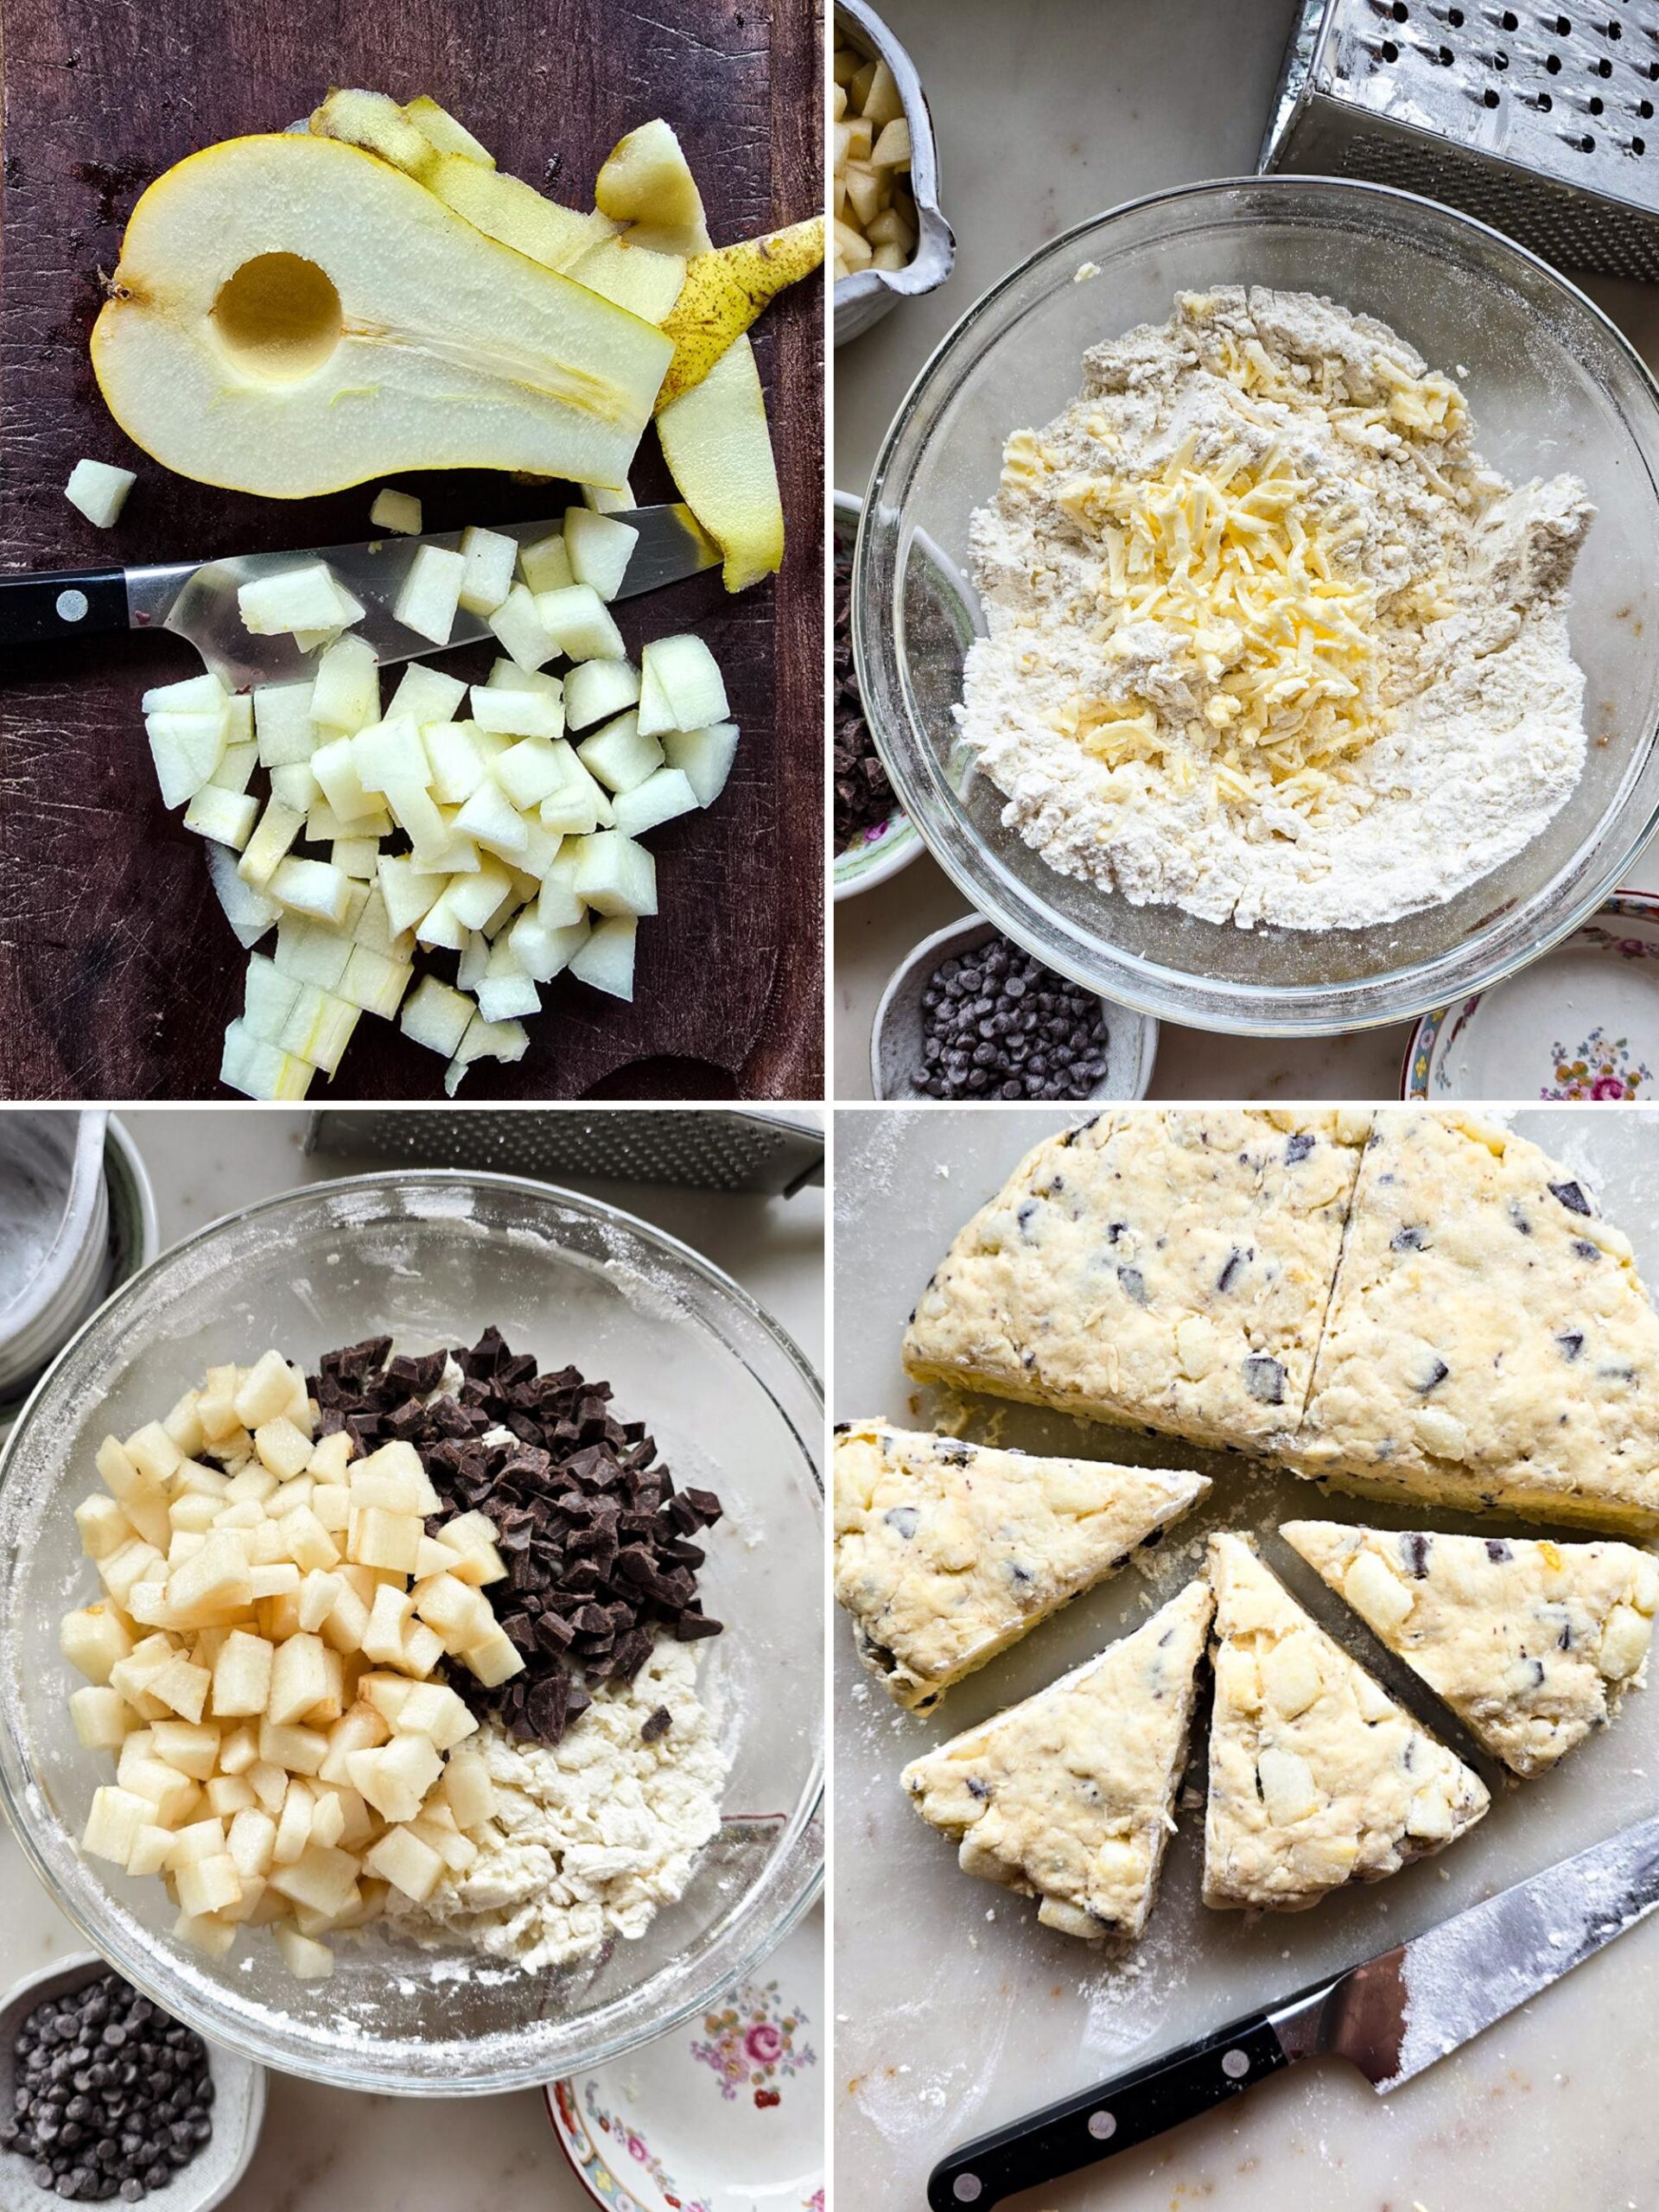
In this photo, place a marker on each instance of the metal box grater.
(1538, 119)
(709, 1148)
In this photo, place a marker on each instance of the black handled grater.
(707, 1147)
(1538, 119)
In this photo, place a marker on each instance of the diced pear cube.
(399, 512)
(436, 1015)
(306, 597)
(299, 1750)
(681, 686)
(423, 1649)
(104, 1527)
(382, 1639)
(409, 1865)
(347, 693)
(268, 1783)
(318, 1594)
(528, 771)
(99, 490)
(580, 805)
(281, 1579)
(328, 1818)
(186, 751)
(595, 690)
(153, 1453)
(113, 1820)
(599, 548)
(619, 754)
(383, 1539)
(310, 1544)
(517, 713)
(490, 819)
(431, 592)
(284, 733)
(436, 1830)
(282, 1448)
(316, 888)
(663, 796)
(348, 1623)
(193, 694)
(213, 1936)
(251, 1841)
(468, 1788)
(182, 1688)
(299, 1679)
(494, 1658)
(330, 1457)
(208, 1885)
(212, 1581)
(269, 846)
(102, 1718)
(433, 1710)
(385, 1694)
(581, 625)
(149, 1851)
(200, 1840)
(545, 564)
(320, 1024)
(504, 991)
(335, 767)
(542, 950)
(229, 1795)
(324, 1877)
(604, 960)
(517, 623)
(361, 1728)
(614, 875)
(489, 561)
(121, 1571)
(704, 757)
(191, 1749)
(305, 1960)
(265, 1391)
(426, 695)
(293, 1826)
(396, 1777)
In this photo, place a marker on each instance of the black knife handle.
(1127, 2110)
(60, 606)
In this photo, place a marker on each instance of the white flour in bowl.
(1268, 641)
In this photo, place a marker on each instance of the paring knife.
(198, 601)
(1392, 2017)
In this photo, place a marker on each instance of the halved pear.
(291, 315)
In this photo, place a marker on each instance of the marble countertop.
(956, 2012)
(322, 2149)
(1044, 114)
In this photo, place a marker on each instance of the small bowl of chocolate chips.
(971, 1015)
(873, 836)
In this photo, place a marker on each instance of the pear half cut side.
(290, 316)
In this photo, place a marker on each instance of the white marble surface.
(1045, 113)
(956, 2012)
(323, 2150)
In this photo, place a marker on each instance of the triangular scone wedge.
(1490, 1343)
(1317, 1778)
(946, 1552)
(1067, 1797)
(1166, 1268)
(1530, 1643)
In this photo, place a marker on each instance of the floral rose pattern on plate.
(1602, 1068)
(628, 2142)
(754, 2042)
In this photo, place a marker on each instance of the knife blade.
(1391, 2016)
(197, 600)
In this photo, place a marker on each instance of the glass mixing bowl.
(433, 1258)
(1552, 386)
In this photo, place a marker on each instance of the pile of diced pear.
(522, 801)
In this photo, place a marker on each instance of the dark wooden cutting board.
(117, 971)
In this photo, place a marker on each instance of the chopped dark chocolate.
(595, 1535)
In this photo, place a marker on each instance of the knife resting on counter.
(1391, 2016)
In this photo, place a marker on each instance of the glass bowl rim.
(798, 1867)
(1148, 985)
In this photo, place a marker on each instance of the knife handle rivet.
(1102, 2126)
(1235, 2065)
(72, 606)
(967, 2187)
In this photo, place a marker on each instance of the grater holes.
(1593, 103)
(1489, 98)
(1638, 145)
(1400, 13)
(1389, 50)
(1602, 68)
(1509, 20)
(1553, 64)
(1644, 109)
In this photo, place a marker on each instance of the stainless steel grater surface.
(710, 1149)
(1538, 119)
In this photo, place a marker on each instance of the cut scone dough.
(1530, 1643)
(1169, 1270)
(946, 1552)
(1489, 1342)
(1317, 1778)
(1067, 1797)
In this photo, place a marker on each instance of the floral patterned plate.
(725, 2114)
(1581, 1023)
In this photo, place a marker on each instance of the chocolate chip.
(1297, 1147)
(1571, 1197)
(658, 1725)
(1264, 1378)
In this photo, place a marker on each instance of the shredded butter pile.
(1270, 611)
